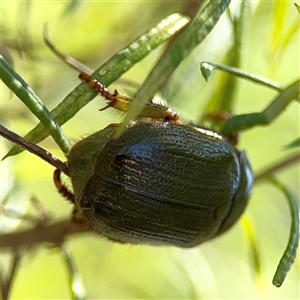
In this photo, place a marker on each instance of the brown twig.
(35, 149)
(52, 233)
(280, 166)
(8, 280)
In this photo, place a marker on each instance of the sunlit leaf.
(279, 15)
(198, 30)
(24, 92)
(250, 234)
(108, 73)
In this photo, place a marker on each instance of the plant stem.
(35, 149)
(280, 166)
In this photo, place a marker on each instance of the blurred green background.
(92, 32)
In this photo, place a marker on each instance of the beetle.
(165, 183)
(159, 182)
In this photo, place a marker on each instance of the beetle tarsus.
(100, 88)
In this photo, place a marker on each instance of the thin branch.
(7, 282)
(52, 233)
(280, 166)
(35, 149)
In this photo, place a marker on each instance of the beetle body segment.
(159, 183)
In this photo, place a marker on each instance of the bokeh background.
(92, 32)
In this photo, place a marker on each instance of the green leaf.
(277, 106)
(207, 68)
(225, 88)
(279, 15)
(280, 40)
(293, 144)
(108, 73)
(75, 282)
(290, 252)
(23, 91)
(250, 234)
(201, 26)
(291, 32)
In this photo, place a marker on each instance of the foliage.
(92, 32)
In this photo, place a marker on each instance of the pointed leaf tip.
(206, 70)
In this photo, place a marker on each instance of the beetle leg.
(77, 216)
(102, 90)
(121, 102)
(61, 188)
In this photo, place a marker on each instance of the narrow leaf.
(279, 16)
(250, 234)
(75, 283)
(290, 252)
(24, 92)
(201, 26)
(277, 106)
(207, 68)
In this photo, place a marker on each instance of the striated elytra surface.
(160, 183)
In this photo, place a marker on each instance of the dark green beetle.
(160, 183)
